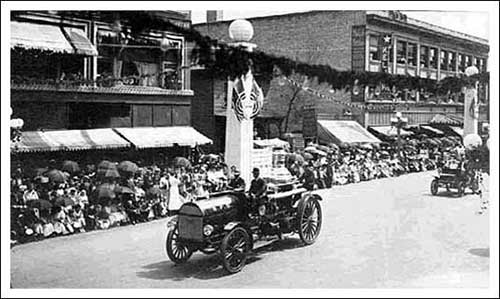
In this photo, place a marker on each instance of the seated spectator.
(78, 219)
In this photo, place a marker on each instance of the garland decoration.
(225, 61)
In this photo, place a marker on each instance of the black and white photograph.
(249, 149)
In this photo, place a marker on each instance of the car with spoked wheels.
(228, 223)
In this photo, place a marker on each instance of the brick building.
(354, 40)
(83, 71)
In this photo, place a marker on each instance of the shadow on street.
(208, 267)
(482, 252)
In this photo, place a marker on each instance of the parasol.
(105, 191)
(70, 167)
(181, 162)
(320, 153)
(307, 156)
(41, 204)
(110, 173)
(366, 146)
(333, 146)
(310, 149)
(127, 167)
(56, 176)
(326, 149)
(124, 190)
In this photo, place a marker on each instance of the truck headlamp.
(208, 230)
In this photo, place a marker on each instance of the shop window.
(444, 60)
(433, 58)
(375, 49)
(401, 52)
(424, 56)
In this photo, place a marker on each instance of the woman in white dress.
(175, 200)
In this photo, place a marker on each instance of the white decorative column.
(244, 100)
(471, 105)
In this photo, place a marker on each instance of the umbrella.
(105, 164)
(37, 171)
(345, 145)
(64, 202)
(127, 167)
(56, 176)
(41, 204)
(320, 153)
(307, 156)
(324, 148)
(209, 158)
(384, 153)
(292, 157)
(333, 146)
(124, 190)
(70, 166)
(181, 162)
(310, 149)
(105, 191)
(110, 173)
(366, 146)
(424, 136)
(410, 148)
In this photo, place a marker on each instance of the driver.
(258, 191)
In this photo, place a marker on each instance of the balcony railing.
(125, 85)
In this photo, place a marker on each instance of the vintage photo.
(249, 149)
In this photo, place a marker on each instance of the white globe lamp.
(488, 144)
(472, 141)
(471, 70)
(241, 30)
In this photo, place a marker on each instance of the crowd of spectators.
(63, 198)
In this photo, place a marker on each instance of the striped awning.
(80, 42)
(51, 38)
(433, 130)
(156, 137)
(37, 36)
(390, 131)
(69, 140)
(458, 130)
(344, 131)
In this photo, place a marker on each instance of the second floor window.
(401, 52)
(412, 54)
(433, 58)
(452, 61)
(444, 60)
(424, 56)
(461, 62)
(375, 49)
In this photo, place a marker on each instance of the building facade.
(83, 70)
(373, 41)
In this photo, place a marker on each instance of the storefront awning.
(41, 37)
(344, 131)
(275, 143)
(390, 131)
(72, 140)
(432, 130)
(447, 120)
(80, 42)
(154, 137)
(457, 130)
(35, 141)
(69, 140)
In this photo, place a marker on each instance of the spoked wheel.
(309, 220)
(234, 249)
(461, 189)
(177, 252)
(434, 187)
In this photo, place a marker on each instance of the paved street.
(382, 233)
